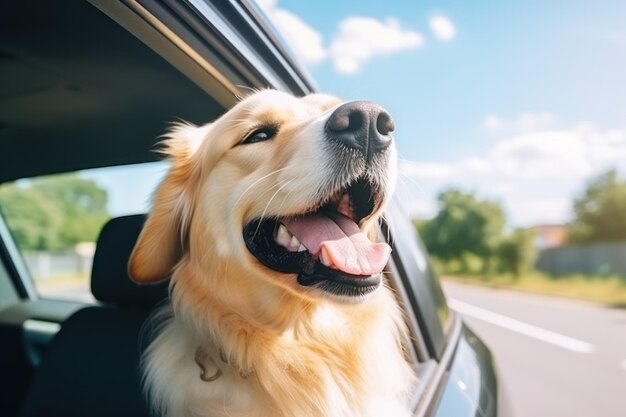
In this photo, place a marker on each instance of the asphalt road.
(555, 357)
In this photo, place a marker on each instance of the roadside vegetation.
(54, 221)
(469, 241)
(607, 290)
(54, 213)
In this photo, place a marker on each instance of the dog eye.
(260, 134)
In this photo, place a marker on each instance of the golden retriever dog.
(265, 224)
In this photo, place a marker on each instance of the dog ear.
(162, 240)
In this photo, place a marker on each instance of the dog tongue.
(338, 240)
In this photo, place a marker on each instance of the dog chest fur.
(323, 365)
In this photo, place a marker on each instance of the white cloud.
(442, 28)
(427, 170)
(535, 174)
(421, 209)
(476, 165)
(543, 210)
(359, 39)
(534, 121)
(525, 121)
(541, 154)
(573, 153)
(492, 123)
(306, 42)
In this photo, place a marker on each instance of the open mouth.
(324, 245)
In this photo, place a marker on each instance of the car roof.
(86, 85)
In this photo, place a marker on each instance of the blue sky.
(520, 102)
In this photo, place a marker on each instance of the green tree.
(464, 225)
(54, 212)
(82, 202)
(600, 212)
(35, 223)
(517, 252)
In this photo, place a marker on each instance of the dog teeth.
(302, 248)
(287, 240)
(294, 244)
(283, 236)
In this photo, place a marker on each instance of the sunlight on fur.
(278, 345)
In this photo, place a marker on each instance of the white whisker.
(270, 202)
(257, 181)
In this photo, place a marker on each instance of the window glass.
(8, 295)
(422, 282)
(55, 220)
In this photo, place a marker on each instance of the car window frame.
(419, 292)
(14, 264)
(431, 354)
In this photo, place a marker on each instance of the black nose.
(361, 125)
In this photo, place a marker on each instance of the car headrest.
(110, 281)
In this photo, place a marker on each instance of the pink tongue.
(339, 241)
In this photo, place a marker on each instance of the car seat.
(92, 367)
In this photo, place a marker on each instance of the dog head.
(278, 192)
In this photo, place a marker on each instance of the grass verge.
(609, 290)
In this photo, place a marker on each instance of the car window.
(55, 220)
(420, 280)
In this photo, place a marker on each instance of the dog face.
(278, 192)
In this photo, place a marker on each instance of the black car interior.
(76, 83)
(79, 91)
(98, 348)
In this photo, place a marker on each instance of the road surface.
(555, 357)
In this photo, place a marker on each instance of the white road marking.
(526, 329)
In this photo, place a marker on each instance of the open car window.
(55, 220)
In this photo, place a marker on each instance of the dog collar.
(201, 357)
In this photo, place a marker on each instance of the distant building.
(549, 235)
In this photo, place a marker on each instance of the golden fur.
(282, 349)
